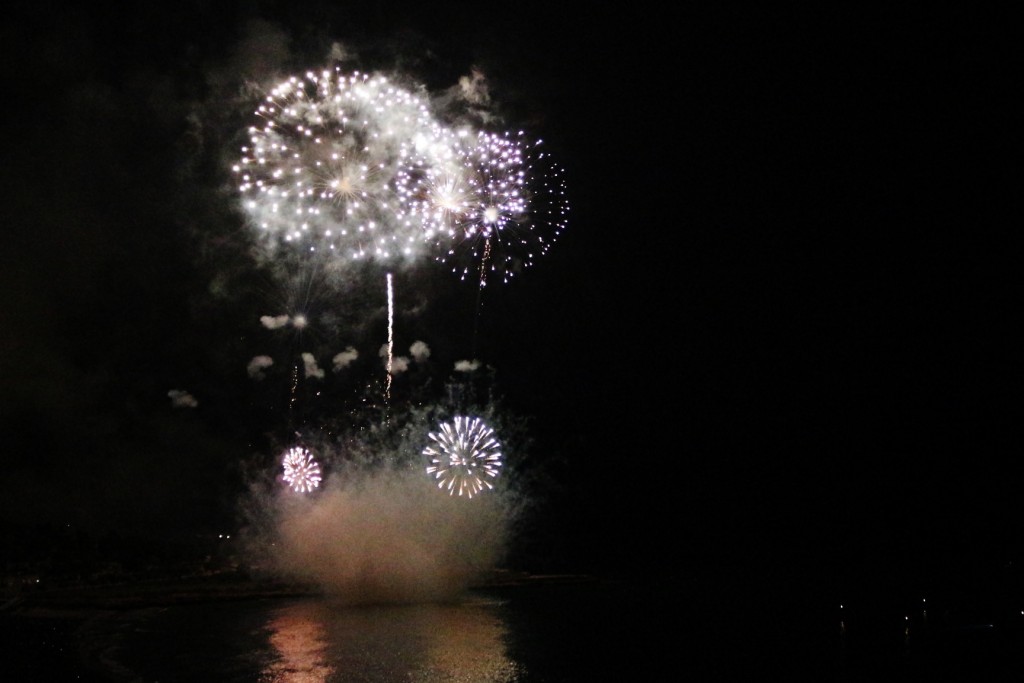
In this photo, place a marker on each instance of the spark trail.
(391, 339)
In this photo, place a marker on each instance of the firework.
(465, 457)
(504, 208)
(301, 471)
(340, 163)
(359, 167)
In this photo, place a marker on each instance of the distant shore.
(67, 600)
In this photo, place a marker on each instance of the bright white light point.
(299, 321)
(491, 214)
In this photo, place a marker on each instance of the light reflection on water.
(314, 641)
(299, 638)
(547, 632)
(557, 632)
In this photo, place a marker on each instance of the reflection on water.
(314, 641)
(557, 632)
(551, 632)
(300, 642)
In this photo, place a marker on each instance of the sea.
(548, 629)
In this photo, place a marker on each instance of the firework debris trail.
(391, 342)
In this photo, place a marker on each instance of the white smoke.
(344, 359)
(311, 367)
(182, 399)
(273, 322)
(257, 365)
(466, 365)
(389, 536)
(420, 351)
(473, 88)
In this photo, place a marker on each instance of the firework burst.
(301, 470)
(339, 163)
(465, 457)
(358, 167)
(504, 209)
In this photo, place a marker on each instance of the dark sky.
(777, 329)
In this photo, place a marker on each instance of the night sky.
(775, 335)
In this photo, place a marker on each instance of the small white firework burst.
(301, 470)
(465, 458)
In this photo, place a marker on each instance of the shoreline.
(81, 601)
(71, 632)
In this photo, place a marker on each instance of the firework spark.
(466, 458)
(301, 471)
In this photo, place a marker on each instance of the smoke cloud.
(257, 365)
(466, 365)
(182, 399)
(420, 351)
(311, 367)
(344, 359)
(388, 536)
(273, 322)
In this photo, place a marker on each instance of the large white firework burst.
(301, 470)
(359, 167)
(465, 457)
(339, 163)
